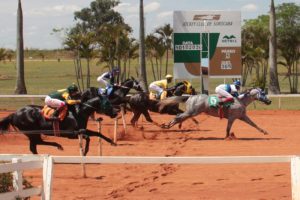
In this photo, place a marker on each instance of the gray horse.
(199, 104)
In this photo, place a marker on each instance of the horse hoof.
(232, 136)
(60, 148)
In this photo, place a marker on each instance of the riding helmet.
(237, 83)
(72, 88)
(169, 76)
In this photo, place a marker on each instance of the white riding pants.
(54, 103)
(155, 88)
(223, 93)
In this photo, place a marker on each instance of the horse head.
(101, 104)
(260, 95)
(136, 85)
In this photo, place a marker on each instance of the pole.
(99, 120)
(81, 154)
(115, 130)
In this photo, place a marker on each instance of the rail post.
(17, 177)
(115, 129)
(295, 175)
(47, 177)
(99, 120)
(81, 154)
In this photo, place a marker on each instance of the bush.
(6, 184)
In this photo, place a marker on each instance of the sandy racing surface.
(170, 181)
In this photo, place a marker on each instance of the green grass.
(44, 77)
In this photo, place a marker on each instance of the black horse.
(30, 121)
(118, 95)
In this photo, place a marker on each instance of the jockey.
(158, 87)
(60, 98)
(108, 79)
(229, 91)
(183, 87)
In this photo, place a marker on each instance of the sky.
(42, 16)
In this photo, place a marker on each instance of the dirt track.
(230, 181)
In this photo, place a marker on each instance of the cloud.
(250, 8)
(134, 9)
(151, 7)
(166, 14)
(57, 10)
(126, 8)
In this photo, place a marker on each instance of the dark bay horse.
(140, 103)
(199, 104)
(30, 121)
(119, 93)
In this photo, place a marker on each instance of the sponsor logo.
(207, 17)
(229, 39)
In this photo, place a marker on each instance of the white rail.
(48, 160)
(17, 167)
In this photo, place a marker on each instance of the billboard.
(207, 43)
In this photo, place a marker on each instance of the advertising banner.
(207, 43)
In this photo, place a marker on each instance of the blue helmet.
(237, 83)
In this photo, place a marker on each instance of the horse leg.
(229, 125)
(178, 119)
(40, 141)
(135, 118)
(32, 145)
(97, 134)
(251, 123)
(87, 144)
(149, 119)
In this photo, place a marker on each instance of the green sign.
(187, 47)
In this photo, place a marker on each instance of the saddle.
(48, 113)
(218, 103)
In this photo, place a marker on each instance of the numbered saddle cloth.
(213, 101)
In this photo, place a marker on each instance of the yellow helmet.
(169, 76)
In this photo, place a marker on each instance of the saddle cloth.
(47, 112)
(216, 102)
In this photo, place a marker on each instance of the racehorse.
(199, 103)
(30, 121)
(118, 95)
(140, 103)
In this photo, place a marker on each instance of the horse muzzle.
(268, 102)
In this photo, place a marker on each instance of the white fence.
(17, 166)
(45, 192)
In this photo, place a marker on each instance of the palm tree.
(273, 84)
(150, 52)
(166, 33)
(142, 60)
(20, 88)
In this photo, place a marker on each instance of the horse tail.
(5, 122)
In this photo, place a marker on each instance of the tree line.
(101, 33)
